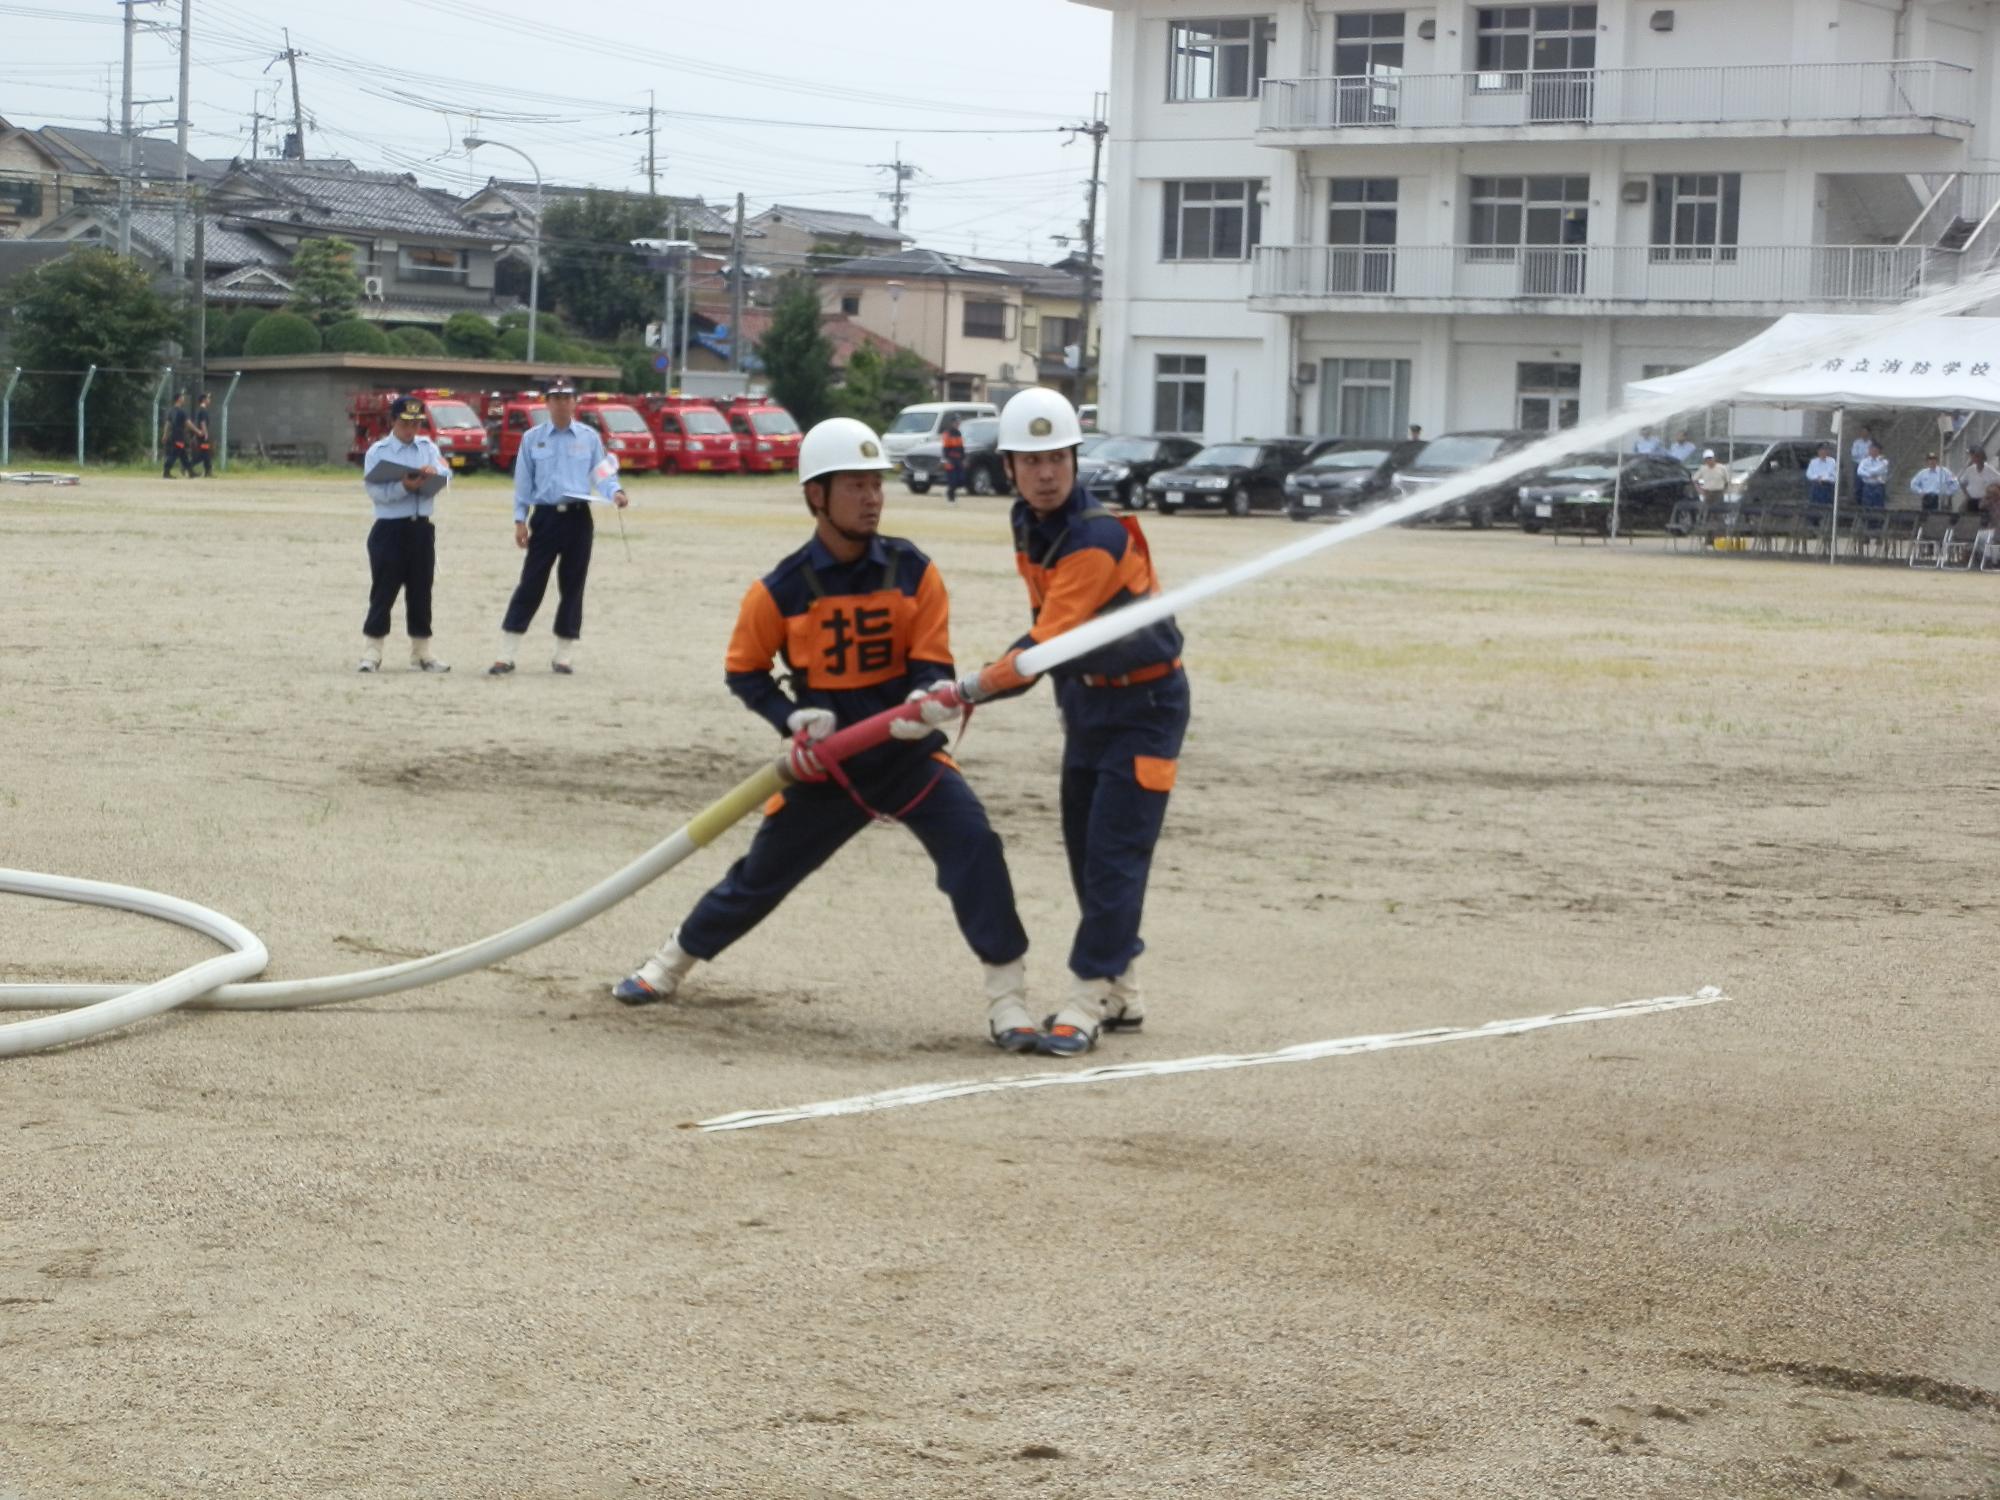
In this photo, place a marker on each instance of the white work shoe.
(565, 658)
(658, 977)
(1007, 1018)
(421, 659)
(371, 653)
(1072, 1030)
(1123, 1009)
(503, 662)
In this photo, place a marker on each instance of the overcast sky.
(974, 94)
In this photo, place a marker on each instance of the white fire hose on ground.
(220, 983)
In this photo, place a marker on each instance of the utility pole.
(125, 162)
(200, 299)
(902, 171)
(652, 163)
(1096, 129)
(181, 140)
(736, 293)
(291, 55)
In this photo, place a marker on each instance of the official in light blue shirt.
(1648, 445)
(558, 469)
(402, 544)
(1822, 474)
(1684, 450)
(1872, 479)
(1934, 484)
(1857, 451)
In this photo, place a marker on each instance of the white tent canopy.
(1948, 364)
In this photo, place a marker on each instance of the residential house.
(1347, 215)
(797, 239)
(961, 314)
(31, 182)
(1052, 321)
(44, 172)
(243, 266)
(420, 259)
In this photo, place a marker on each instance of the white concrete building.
(1344, 216)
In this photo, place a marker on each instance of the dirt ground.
(458, 1242)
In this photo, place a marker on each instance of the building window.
(850, 304)
(1180, 392)
(1367, 61)
(1694, 216)
(429, 263)
(1218, 59)
(1058, 334)
(1365, 398)
(1361, 228)
(1535, 38)
(959, 387)
(1210, 220)
(985, 320)
(1546, 396)
(1510, 212)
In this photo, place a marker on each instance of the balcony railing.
(1862, 91)
(1639, 274)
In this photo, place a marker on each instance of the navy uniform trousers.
(558, 540)
(402, 558)
(1114, 736)
(817, 818)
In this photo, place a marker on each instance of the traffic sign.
(661, 362)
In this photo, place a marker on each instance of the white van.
(922, 422)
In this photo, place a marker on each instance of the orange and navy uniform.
(856, 638)
(953, 443)
(1125, 709)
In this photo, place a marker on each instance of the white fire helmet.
(1039, 421)
(839, 444)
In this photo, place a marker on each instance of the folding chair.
(1967, 542)
(1927, 547)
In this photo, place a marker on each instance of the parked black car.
(1581, 489)
(1115, 471)
(1236, 477)
(923, 465)
(1349, 478)
(1447, 457)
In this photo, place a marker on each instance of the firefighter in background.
(1124, 708)
(953, 443)
(402, 544)
(204, 448)
(177, 438)
(862, 623)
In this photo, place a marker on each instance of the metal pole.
(89, 376)
(667, 322)
(687, 308)
(7, 415)
(199, 280)
(1617, 493)
(222, 452)
(181, 139)
(1839, 472)
(473, 143)
(1098, 130)
(125, 148)
(159, 392)
(736, 295)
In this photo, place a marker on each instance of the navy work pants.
(816, 819)
(402, 558)
(558, 540)
(1121, 746)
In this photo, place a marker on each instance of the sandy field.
(461, 1243)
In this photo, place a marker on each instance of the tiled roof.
(321, 195)
(104, 151)
(831, 221)
(933, 263)
(1048, 281)
(841, 332)
(222, 244)
(20, 256)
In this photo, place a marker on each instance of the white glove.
(932, 716)
(814, 723)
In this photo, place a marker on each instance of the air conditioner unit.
(371, 287)
(1006, 374)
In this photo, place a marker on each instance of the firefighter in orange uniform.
(1124, 708)
(953, 444)
(861, 622)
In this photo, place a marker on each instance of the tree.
(88, 308)
(875, 389)
(797, 357)
(419, 343)
(471, 337)
(356, 336)
(324, 286)
(589, 269)
(283, 333)
(827, 252)
(237, 330)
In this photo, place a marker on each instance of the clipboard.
(387, 471)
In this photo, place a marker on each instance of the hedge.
(417, 342)
(356, 336)
(283, 333)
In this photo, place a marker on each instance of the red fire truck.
(767, 439)
(627, 437)
(449, 421)
(694, 438)
(510, 418)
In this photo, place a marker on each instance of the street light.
(473, 143)
(668, 256)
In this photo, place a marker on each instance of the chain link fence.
(100, 414)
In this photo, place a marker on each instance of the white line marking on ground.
(1056, 1077)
